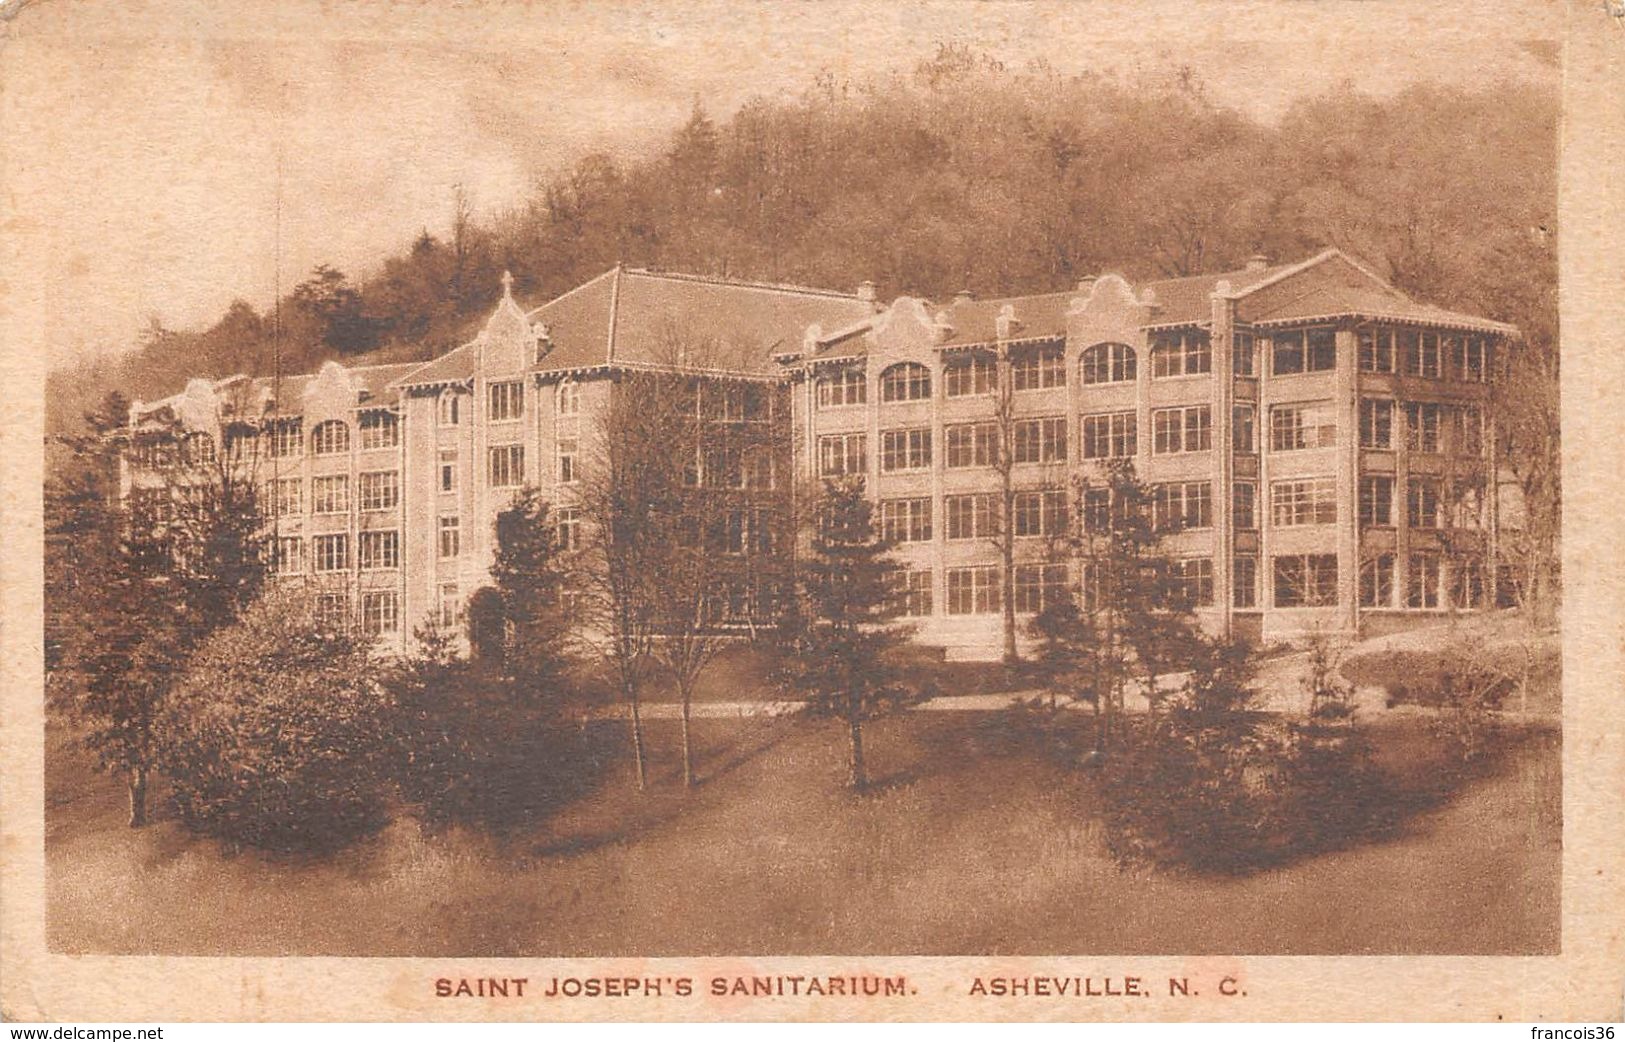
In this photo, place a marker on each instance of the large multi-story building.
(1317, 442)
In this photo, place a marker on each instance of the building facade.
(1318, 443)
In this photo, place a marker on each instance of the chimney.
(541, 339)
(964, 296)
(866, 291)
(1257, 262)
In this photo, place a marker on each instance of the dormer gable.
(510, 341)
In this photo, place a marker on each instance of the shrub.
(274, 737)
(477, 748)
(1213, 787)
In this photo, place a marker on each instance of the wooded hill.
(963, 174)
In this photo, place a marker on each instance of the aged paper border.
(1583, 983)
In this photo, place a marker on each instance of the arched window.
(905, 382)
(847, 387)
(450, 407)
(198, 447)
(569, 398)
(330, 438)
(1108, 364)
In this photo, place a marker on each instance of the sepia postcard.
(723, 510)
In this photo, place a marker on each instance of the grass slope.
(966, 847)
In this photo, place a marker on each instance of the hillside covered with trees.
(968, 174)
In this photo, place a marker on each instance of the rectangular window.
(972, 516)
(330, 553)
(1422, 581)
(1422, 422)
(1040, 512)
(759, 468)
(1242, 434)
(1466, 504)
(1182, 504)
(330, 494)
(1377, 582)
(1036, 369)
(847, 387)
(968, 378)
(1244, 582)
(972, 444)
(449, 607)
(731, 538)
(1191, 580)
(1303, 351)
(911, 588)
(288, 556)
(287, 438)
(380, 613)
(1040, 440)
(1304, 501)
(507, 400)
(451, 536)
(1241, 354)
(448, 470)
(569, 528)
(842, 454)
(287, 497)
(1467, 583)
(1038, 586)
(1309, 425)
(724, 467)
(380, 490)
(1109, 435)
(1305, 580)
(1243, 510)
(1475, 359)
(1467, 431)
(905, 520)
(507, 463)
(1181, 353)
(380, 430)
(1422, 502)
(732, 405)
(1376, 500)
(905, 449)
(332, 610)
(568, 470)
(1186, 429)
(973, 591)
(1376, 423)
(1376, 350)
(380, 550)
(1097, 509)
(1419, 352)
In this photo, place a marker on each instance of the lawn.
(966, 847)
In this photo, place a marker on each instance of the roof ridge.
(572, 291)
(1018, 296)
(723, 280)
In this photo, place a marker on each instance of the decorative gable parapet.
(1006, 325)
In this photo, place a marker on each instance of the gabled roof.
(640, 317)
(636, 317)
(1181, 301)
(250, 397)
(1326, 303)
